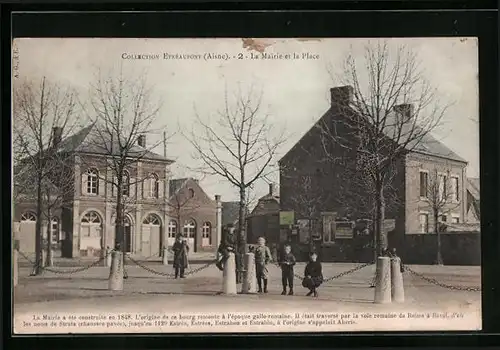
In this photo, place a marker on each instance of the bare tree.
(308, 203)
(40, 108)
(441, 195)
(385, 110)
(238, 147)
(123, 110)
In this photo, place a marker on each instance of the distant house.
(473, 207)
(263, 221)
(192, 209)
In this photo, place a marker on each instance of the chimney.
(56, 135)
(271, 189)
(342, 95)
(405, 110)
(141, 140)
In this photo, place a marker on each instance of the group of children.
(313, 274)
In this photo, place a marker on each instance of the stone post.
(383, 281)
(250, 279)
(229, 276)
(107, 260)
(116, 271)
(218, 219)
(164, 257)
(397, 287)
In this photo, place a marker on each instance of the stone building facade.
(85, 226)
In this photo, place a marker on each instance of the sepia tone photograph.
(245, 185)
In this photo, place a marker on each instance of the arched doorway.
(27, 231)
(189, 231)
(151, 242)
(91, 234)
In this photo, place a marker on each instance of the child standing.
(313, 275)
(262, 258)
(287, 265)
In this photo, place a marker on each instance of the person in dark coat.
(313, 275)
(228, 245)
(287, 263)
(181, 250)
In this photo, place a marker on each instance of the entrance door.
(151, 236)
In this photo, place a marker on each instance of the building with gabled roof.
(337, 196)
(192, 213)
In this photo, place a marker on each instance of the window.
(172, 229)
(455, 220)
(191, 193)
(442, 187)
(91, 224)
(126, 184)
(454, 189)
(154, 186)
(424, 182)
(424, 222)
(93, 181)
(151, 219)
(442, 218)
(189, 229)
(54, 230)
(28, 217)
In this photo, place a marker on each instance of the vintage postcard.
(245, 185)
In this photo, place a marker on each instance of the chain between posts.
(170, 275)
(63, 272)
(342, 274)
(440, 284)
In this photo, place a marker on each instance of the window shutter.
(161, 190)
(83, 185)
(133, 187)
(101, 191)
(145, 187)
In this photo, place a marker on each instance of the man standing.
(262, 258)
(228, 245)
(181, 250)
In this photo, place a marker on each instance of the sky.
(295, 92)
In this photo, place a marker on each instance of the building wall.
(414, 204)
(139, 206)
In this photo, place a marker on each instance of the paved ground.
(144, 291)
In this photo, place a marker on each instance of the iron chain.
(440, 284)
(342, 274)
(64, 272)
(170, 275)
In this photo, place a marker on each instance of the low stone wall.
(456, 249)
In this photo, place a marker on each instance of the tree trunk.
(37, 269)
(120, 234)
(49, 240)
(241, 238)
(439, 258)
